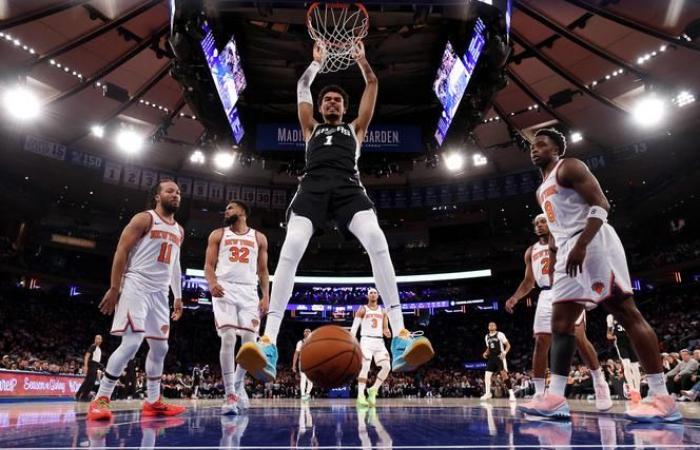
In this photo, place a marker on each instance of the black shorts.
(333, 196)
(627, 352)
(494, 364)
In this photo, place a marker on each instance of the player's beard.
(170, 207)
(231, 220)
(332, 117)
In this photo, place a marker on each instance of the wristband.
(597, 212)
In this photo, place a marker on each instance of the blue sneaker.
(410, 351)
(259, 359)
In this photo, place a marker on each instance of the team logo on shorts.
(598, 287)
(164, 329)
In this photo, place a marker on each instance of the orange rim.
(315, 5)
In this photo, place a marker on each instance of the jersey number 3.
(239, 254)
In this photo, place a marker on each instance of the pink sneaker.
(525, 407)
(548, 405)
(656, 408)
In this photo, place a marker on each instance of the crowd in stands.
(68, 326)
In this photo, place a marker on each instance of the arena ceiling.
(580, 63)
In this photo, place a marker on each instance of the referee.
(93, 358)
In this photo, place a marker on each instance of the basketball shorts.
(237, 309)
(543, 314)
(373, 348)
(495, 364)
(142, 312)
(627, 352)
(335, 196)
(604, 275)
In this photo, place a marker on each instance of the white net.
(337, 28)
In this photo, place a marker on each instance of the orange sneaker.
(162, 409)
(99, 409)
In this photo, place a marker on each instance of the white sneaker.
(603, 402)
(230, 406)
(243, 400)
(487, 396)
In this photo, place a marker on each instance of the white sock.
(365, 227)
(154, 367)
(557, 385)
(299, 232)
(487, 383)
(657, 384)
(118, 360)
(361, 389)
(539, 385)
(597, 376)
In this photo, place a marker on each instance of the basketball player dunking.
(331, 189)
(590, 269)
(305, 385)
(497, 347)
(236, 260)
(537, 274)
(146, 263)
(630, 362)
(374, 327)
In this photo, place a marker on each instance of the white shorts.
(373, 348)
(605, 271)
(543, 314)
(143, 312)
(237, 309)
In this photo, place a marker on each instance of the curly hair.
(556, 136)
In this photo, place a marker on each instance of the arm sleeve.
(502, 338)
(355, 326)
(304, 84)
(176, 280)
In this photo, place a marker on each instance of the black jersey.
(495, 342)
(621, 338)
(333, 147)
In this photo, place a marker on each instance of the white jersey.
(238, 257)
(300, 344)
(539, 258)
(152, 260)
(566, 210)
(372, 324)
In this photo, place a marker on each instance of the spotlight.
(129, 141)
(223, 160)
(649, 111)
(683, 98)
(479, 160)
(22, 103)
(197, 157)
(97, 131)
(575, 137)
(454, 161)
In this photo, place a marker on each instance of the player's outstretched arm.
(369, 96)
(132, 233)
(210, 260)
(304, 99)
(263, 273)
(526, 285)
(575, 174)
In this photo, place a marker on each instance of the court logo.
(598, 287)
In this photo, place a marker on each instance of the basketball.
(331, 357)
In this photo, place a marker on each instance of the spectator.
(680, 378)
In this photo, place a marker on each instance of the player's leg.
(508, 384)
(636, 376)
(659, 406)
(540, 355)
(309, 388)
(157, 333)
(260, 359)
(383, 361)
(364, 373)
(487, 385)
(590, 358)
(249, 321)
(627, 371)
(228, 369)
(408, 352)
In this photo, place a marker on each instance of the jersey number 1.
(329, 140)
(166, 251)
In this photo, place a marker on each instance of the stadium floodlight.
(454, 161)
(22, 103)
(479, 160)
(129, 141)
(223, 160)
(197, 157)
(649, 111)
(97, 131)
(576, 136)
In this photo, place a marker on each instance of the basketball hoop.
(337, 28)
